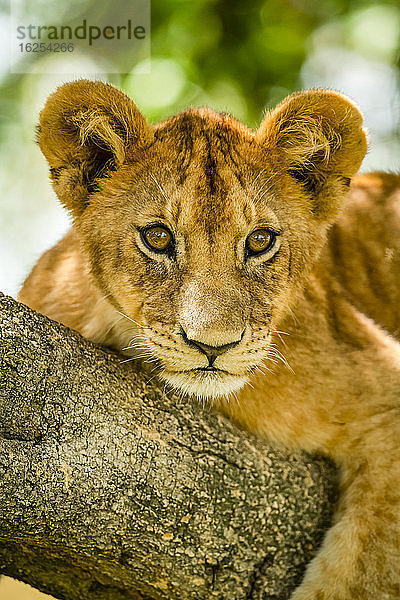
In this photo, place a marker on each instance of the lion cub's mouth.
(209, 369)
(204, 382)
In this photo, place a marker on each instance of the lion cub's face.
(199, 254)
(198, 230)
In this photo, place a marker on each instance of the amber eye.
(260, 241)
(157, 238)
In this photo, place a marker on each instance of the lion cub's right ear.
(317, 137)
(85, 131)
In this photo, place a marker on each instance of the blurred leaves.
(251, 53)
(247, 56)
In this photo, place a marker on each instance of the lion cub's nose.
(210, 351)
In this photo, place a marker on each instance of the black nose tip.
(210, 351)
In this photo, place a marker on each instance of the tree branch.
(110, 489)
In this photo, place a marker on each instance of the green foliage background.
(243, 55)
(246, 56)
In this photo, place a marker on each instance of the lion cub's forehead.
(198, 122)
(210, 173)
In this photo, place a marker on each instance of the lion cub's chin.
(207, 385)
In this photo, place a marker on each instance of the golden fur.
(304, 338)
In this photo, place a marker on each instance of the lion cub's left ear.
(317, 137)
(87, 130)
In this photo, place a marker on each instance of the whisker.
(261, 369)
(269, 357)
(258, 175)
(112, 325)
(145, 355)
(130, 319)
(128, 328)
(278, 354)
(106, 296)
(139, 346)
(279, 332)
(260, 192)
(164, 193)
(147, 358)
(151, 379)
(234, 394)
(166, 391)
(295, 319)
(263, 190)
(151, 359)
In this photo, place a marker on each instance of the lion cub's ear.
(317, 137)
(85, 131)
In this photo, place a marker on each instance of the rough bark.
(111, 489)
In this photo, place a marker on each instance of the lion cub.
(199, 244)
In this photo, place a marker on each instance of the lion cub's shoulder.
(61, 287)
(377, 185)
(364, 247)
